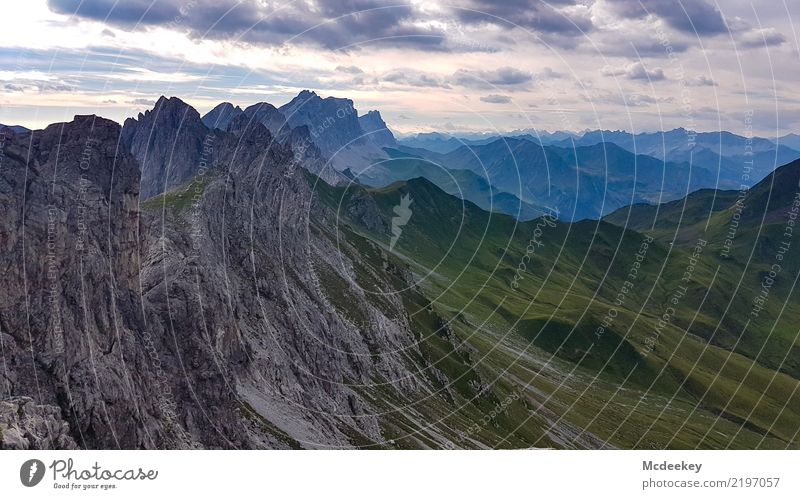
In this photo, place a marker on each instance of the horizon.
(400, 135)
(474, 67)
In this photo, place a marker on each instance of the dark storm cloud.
(127, 13)
(688, 16)
(545, 17)
(341, 24)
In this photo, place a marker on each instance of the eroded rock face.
(74, 326)
(223, 314)
(24, 425)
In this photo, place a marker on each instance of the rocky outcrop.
(24, 425)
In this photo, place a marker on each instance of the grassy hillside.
(609, 336)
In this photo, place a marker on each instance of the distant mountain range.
(444, 143)
(743, 160)
(591, 174)
(584, 182)
(585, 175)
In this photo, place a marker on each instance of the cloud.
(413, 78)
(571, 18)
(504, 76)
(700, 18)
(143, 74)
(353, 70)
(335, 25)
(496, 99)
(701, 81)
(549, 74)
(625, 100)
(635, 71)
(688, 16)
(766, 37)
(128, 13)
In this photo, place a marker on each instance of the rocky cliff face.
(74, 326)
(225, 313)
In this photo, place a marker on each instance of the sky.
(455, 67)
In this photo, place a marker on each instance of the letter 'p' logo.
(31, 472)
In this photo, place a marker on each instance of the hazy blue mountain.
(585, 182)
(373, 125)
(544, 137)
(791, 140)
(723, 152)
(463, 184)
(443, 143)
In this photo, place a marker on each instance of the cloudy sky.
(467, 65)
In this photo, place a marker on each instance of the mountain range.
(222, 282)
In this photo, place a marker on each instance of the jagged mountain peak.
(222, 115)
(333, 122)
(168, 142)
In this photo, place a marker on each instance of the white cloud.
(634, 71)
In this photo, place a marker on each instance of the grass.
(179, 200)
(706, 382)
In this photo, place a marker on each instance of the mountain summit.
(372, 123)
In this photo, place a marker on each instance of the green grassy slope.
(551, 313)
